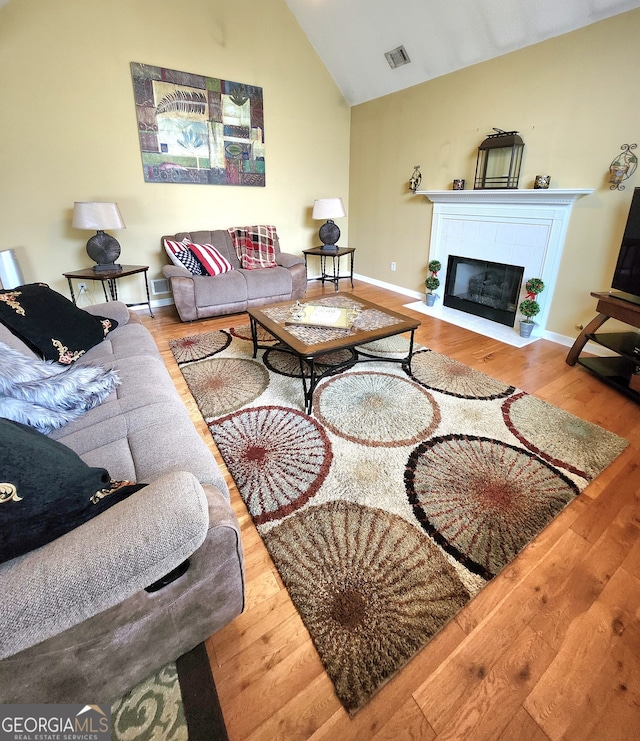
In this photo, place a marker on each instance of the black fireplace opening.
(483, 288)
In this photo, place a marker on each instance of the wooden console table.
(614, 370)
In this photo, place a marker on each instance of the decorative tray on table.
(316, 315)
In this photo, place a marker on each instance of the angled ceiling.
(440, 36)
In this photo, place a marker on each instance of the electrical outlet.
(393, 266)
(82, 287)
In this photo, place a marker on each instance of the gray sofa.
(201, 296)
(76, 624)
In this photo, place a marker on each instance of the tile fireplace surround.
(515, 227)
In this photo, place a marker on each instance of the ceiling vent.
(397, 57)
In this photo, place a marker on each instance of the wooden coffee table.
(372, 322)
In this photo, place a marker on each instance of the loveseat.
(76, 622)
(202, 294)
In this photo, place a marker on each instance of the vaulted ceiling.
(439, 36)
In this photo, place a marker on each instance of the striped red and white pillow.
(210, 258)
(172, 248)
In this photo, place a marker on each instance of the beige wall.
(69, 130)
(573, 99)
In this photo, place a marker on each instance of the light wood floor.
(550, 649)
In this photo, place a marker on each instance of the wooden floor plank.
(490, 707)
(468, 665)
(267, 646)
(591, 640)
(260, 704)
(407, 724)
(585, 583)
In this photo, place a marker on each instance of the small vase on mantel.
(431, 299)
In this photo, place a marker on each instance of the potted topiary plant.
(432, 282)
(529, 307)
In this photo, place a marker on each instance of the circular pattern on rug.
(435, 371)
(483, 500)
(278, 458)
(244, 333)
(560, 437)
(370, 587)
(151, 710)
(221, 385)
(285, 364)
(199, 346)
(376, 409)
(396, 346)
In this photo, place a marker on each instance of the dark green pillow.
(50, 324)
(46, 490)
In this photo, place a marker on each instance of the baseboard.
(156, 303)
(389, 286)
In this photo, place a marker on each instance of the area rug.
(177, 703)
(398, 499)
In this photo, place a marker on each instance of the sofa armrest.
(183, 290)
(102, 562)
(111, 310)
(175, 271)
(286, 260)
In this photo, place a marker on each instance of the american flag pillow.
(187, 259)
(213, 262)
(255, 246)
(172, 248)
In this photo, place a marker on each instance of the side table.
(323, 253)
(110, 277)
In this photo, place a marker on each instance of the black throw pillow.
(46, 490)
(50, 324)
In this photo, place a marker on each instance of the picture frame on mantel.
(198, 129)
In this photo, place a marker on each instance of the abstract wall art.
(197, 129)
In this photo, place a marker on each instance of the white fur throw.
(47, 395)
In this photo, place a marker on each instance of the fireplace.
(484, 228)
(483, 288)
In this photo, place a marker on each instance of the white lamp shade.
(97, 215)
(328, 208)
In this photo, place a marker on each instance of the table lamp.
(329, 209)
(102, 248)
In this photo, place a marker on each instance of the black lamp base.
(329, 234)
(106, 266)
(104, 250)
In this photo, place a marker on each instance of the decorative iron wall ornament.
(622, 167)
(415, 179)
(197, 129)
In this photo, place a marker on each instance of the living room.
(72, 118)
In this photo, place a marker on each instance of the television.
(626, 277)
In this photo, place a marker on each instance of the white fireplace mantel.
(532, 196)
(526, 228)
